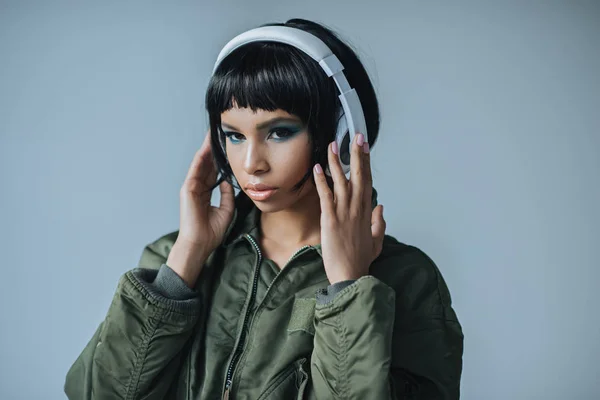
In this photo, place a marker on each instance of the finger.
(377, 229)
(340, 183)
(197, 161)
(368, 176)
(325, 195)
(206, 143)
(227, 201)
(357, 172)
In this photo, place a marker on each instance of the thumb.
(377, 229)
(227, 202)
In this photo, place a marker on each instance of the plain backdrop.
(487, 160)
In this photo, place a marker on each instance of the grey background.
(487, 160)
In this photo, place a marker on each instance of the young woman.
(291, 289)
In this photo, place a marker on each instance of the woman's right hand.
(202, 226)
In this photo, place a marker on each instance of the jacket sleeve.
(137, 350)
(400, 340)
(353, 342)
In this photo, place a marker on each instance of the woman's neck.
(295, 226)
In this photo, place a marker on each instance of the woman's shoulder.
(401, 252)
(415, 277)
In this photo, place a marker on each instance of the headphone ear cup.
(342, 138)
(344, 147)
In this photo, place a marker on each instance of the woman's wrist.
(186, 261)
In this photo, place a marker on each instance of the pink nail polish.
(318, 169)
(366, 147)
(334, 147)
(360, 139)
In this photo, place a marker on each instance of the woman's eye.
(282, 133)
(234, 137)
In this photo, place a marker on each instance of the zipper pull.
(227, 389)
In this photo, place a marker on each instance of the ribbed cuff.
(171, 285)
(166, 291)
(327, 295)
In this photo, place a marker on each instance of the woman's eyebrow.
(265, 124)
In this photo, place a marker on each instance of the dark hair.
(272, 75)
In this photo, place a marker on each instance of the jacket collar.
(246, 217)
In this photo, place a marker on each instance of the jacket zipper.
(238, 348)
(240, 345)
(294, 255)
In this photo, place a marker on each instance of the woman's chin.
(267, 206)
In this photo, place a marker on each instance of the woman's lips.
(260, 195)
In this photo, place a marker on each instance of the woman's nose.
(255, 161)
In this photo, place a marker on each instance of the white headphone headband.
(354, 120)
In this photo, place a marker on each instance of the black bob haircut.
(272, 75)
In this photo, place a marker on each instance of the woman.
(291, 289)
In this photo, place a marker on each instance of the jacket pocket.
(302, 379)
(290, 383)
(303, 316)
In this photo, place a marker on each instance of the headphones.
(351, 118)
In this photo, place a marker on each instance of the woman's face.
(269, 148)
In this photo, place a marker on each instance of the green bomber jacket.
(250, 330)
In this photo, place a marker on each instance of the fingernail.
(334, 147)
(360, 139)
(366, 147)
(318, 169)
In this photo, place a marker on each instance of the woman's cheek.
(296, 160)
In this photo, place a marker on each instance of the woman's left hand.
(351, 233)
